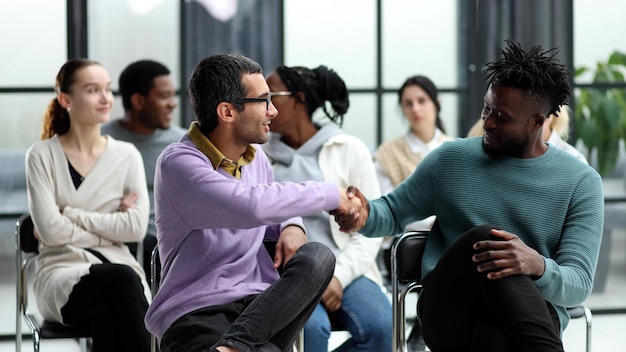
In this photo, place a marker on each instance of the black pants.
(462, 310)
(111, 300)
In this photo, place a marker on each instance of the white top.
(69, 219)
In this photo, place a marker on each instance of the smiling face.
(508, 122)
(253, 123)
(90, 97)
(420, 111)
(156, 109)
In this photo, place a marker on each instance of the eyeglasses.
(267, 100)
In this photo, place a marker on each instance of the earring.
(69, 108)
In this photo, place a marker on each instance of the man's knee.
(481, 233)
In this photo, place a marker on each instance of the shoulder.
(345, 145)
(111, 127)
(46, 146)
(393, 144)
(465, 145)
(171, 134)
(122, 147)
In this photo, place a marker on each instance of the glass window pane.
(420, 37)
(338, 34)
(122, 31)
(360, 120)
(34, 42)
(22, 117)
(599, 28)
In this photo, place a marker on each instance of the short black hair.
(138, 77)
(216, 79)
(318, 85)
(536, 72)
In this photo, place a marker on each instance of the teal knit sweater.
(554, 203)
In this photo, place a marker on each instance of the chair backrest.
(155, 270)
(406, 269)
(26, 233)
(408, 255)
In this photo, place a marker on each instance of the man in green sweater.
(519, 222)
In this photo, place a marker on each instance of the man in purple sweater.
(215, 204)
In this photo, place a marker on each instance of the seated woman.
(300, 149)
(397, 159)
(87, 196)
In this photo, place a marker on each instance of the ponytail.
(56, 120)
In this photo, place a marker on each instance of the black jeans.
(267, 322)
(462, 310)
(111, 300)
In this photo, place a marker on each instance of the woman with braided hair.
(301, 149)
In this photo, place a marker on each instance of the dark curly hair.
(318, 85)
(536, 72)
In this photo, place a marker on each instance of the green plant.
(600, 113)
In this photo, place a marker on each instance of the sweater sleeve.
(203, 197)
(409, 202)
(568, 277)
(53, 227)
(120, 226)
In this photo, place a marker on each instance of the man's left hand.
(291, 238)
(506, 257)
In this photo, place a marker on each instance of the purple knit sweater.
(211, 226)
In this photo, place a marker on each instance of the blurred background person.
(87, 196)
(149, 100)
(396, 160)
(301, 149)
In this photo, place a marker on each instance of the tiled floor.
(608, 331)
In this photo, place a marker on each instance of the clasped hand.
(352, 211)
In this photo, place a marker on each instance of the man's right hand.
(353, 210)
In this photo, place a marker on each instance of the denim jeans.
(269, 321)
(462, 310)
(365, 312)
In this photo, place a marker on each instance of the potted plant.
(600, 113)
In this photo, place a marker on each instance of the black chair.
(406, 265)
(155, 274)
(25, 253)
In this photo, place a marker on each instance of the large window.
(34, 46)
(598, 31)
(374, 46)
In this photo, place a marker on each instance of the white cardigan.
(69, 219)
(346, 161)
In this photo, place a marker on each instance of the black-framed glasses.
(267, 100)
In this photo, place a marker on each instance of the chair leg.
(35, 341)
(588, 321)
(82, 342)
(299, 343)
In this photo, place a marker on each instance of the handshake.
(352, 211)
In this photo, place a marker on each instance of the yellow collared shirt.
(216, 156)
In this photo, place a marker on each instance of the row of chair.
(406, 254)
